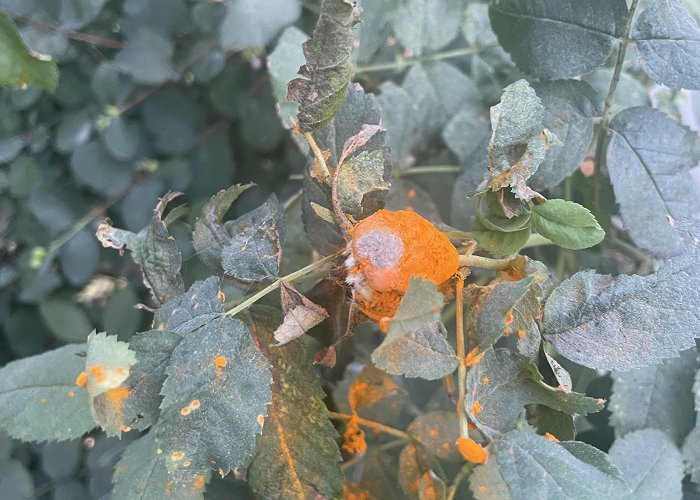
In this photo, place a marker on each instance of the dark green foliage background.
(175, 95)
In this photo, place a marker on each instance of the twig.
(463, 473)
(461, 354)
(607, 108)
(429, 169)
(403, 63)
(371, 424)
(73, 35)
(317, 153)
(290, 278)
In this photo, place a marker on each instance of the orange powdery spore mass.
(551, 437)
(472, 451)
(354, 439)
(220, 362)
(390, 248)
(115, 399)
(81, 379)
(476, 407)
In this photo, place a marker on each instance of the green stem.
(485, 262)
(461, 475)
(429, 169)
(290, 278)
(403, 63)
(461, 354)
(607, 108)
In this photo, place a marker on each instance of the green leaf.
(153, 249)
(373, 31)
(153, 349)
(649, 157)
(402, 124)
(121, 139)
(39, 400)
(209, 236)
(191, 310)
(416, 343)
(464, 133)
(107, 366)
(626, 322)
(214, 372)
(569, 106)
(524, 465)
(419, 474)
(500, 388)
(297, 455)
(94, 168)
(498, 242)
(567, 224)
(18, 67)
(438, 431)
(518, 142)
(650, 463)
(16, 480)
(174, 119)
(147, 57)
(141, 474)
(691, 454)
(501, 308)
(558, 38)
(80, 257)
(668, 44)
(282, 65)
(656, 397)
(492, 216)
(438, 90)
(121, 317)
(300, 315)
(248, 23)
(425, 26)
(323, 85)
(66, 321)
(254, 249)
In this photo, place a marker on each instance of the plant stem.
(428, 169)
(290, 278)
(371, 424)
(485, 262)
(461, 354)
(317, 153)
(463, 473)
(605, 119)
(403, 63)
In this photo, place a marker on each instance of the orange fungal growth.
(185, 410)
(473, 357)
(472, 451)
(476, 407)
(176, 456)
(220, 362)
(551, 437)
(390, 248)
(196, 403)
(81, 379)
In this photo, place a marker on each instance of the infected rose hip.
(387, 250)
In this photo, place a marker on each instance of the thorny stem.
(463, 473)
(607, 108)
(371, 424)
(461, 354)
(403, 63)
(290, 278)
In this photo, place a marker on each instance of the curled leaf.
(300, 315)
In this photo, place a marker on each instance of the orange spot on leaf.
(176, 456)
(485, 380)
(509, 317)
(195, 404)
(184, 411)
(520, 334)
(71, 394)
(476, 407)
(81, 379)
(473, 357)
(220, 362)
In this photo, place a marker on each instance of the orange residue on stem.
(220, 362)
(472, 451)
(387, 250)
(473, 356)
(354, 439)
(81, 379)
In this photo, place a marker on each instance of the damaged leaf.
(300, 315)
